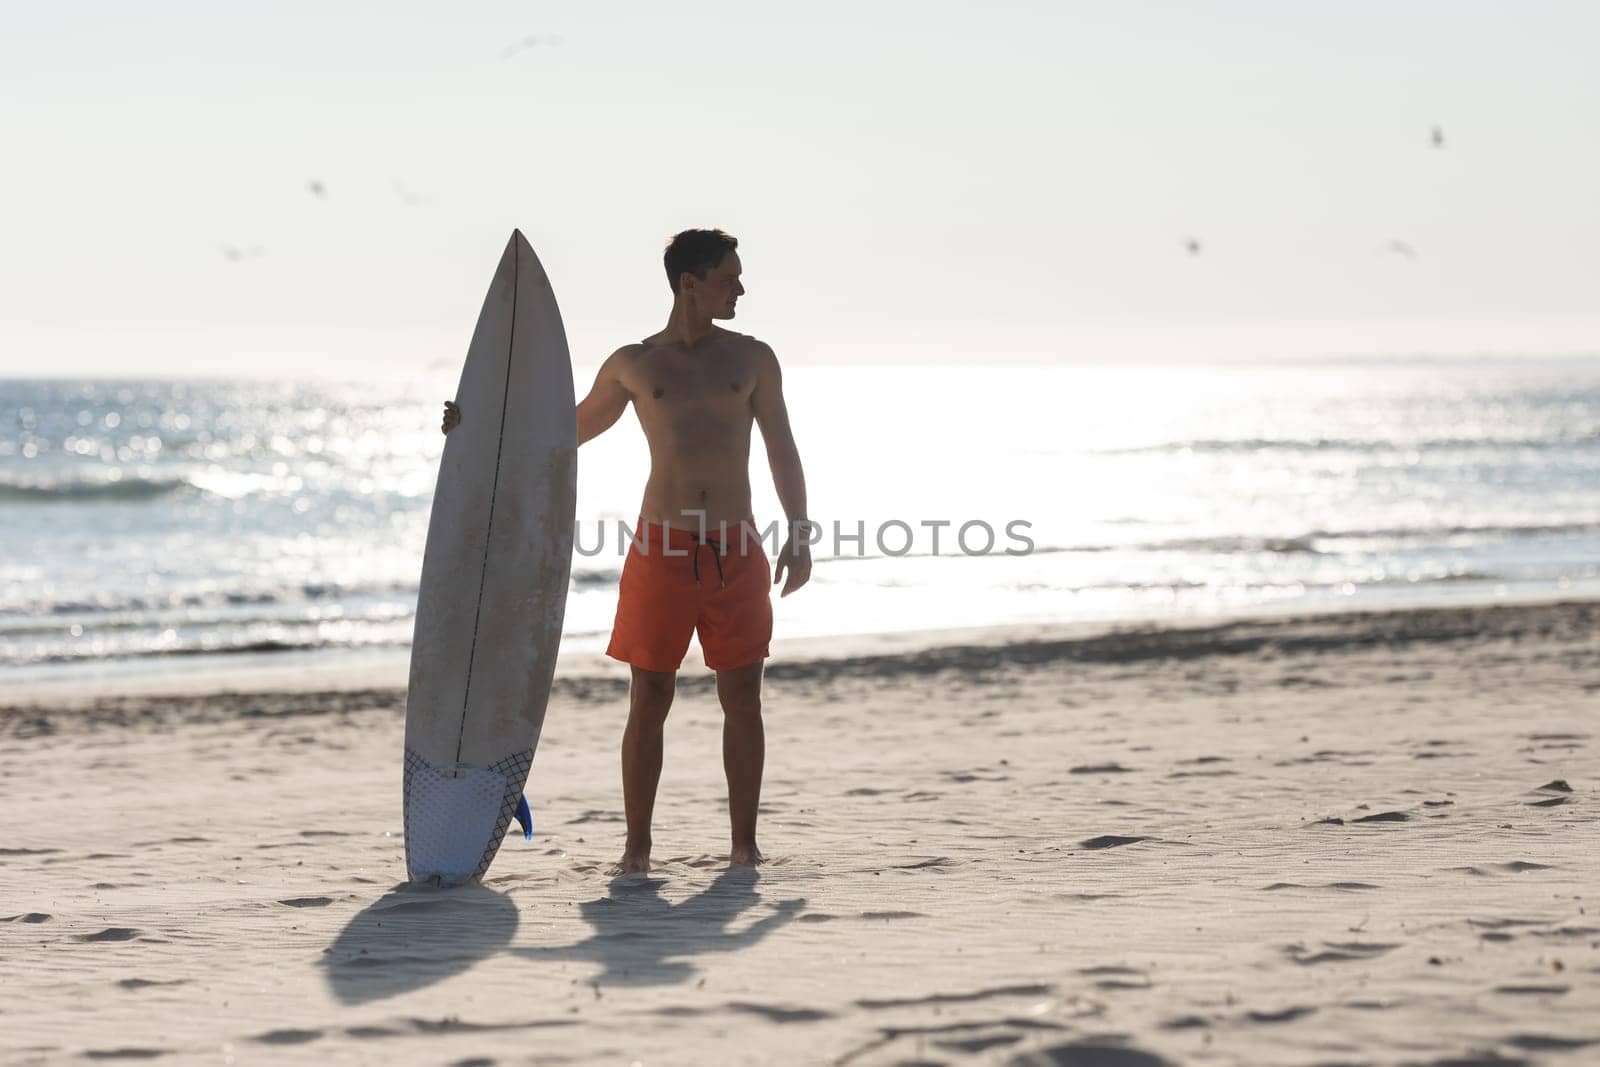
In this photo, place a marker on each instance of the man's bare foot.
(746, 856)
(633, 861)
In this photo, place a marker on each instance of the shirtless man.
(696, 563)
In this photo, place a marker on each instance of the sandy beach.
(1173, 433)
(1340, 839)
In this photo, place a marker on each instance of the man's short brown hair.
(696, 252)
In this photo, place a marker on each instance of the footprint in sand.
(307, 902)
(287, 1037)
(1337, 952)
(971, 1046)
(1551, 794)
(1382, 816)
(1114, 977)
(1433, 747)
(776, 1014)
(1568, 933)
(1101, 768)
(1501, 924)
(1385, 816)
(1328, 755)
(1521, 866)
(1283, 1016)
(124, 1053)
(1341, 886)
(112, 933)
(1549, 1042)
(1557, 742)
(1110, 841)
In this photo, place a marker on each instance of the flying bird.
(409, 197)
(1436, 136)
(1400, 248)
(534, 40)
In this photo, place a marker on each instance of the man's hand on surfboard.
(796, 559)
(452, 417)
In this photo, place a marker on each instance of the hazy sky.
(919, 180)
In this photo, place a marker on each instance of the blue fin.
(525, 817)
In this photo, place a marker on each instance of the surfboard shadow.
(415, 936)
(641, 938)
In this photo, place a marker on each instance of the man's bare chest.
(673, 387)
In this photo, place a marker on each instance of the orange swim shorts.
(674, 584)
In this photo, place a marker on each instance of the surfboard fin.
(525, 818)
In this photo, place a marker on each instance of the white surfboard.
(494, 581)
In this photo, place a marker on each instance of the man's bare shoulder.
(754, 349)
(626, 358)
(622, 366)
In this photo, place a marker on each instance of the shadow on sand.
(642, 939)
(415, 936)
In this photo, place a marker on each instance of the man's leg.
(649, 700)
(743, 752)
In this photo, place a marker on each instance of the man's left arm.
(772, 416)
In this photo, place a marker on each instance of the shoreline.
(330, 681)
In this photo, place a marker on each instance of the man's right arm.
(607, 398)
(597, 412)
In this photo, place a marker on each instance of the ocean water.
(144, 520)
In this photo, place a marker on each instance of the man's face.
(718, 294)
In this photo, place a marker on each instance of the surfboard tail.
(456, 816)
